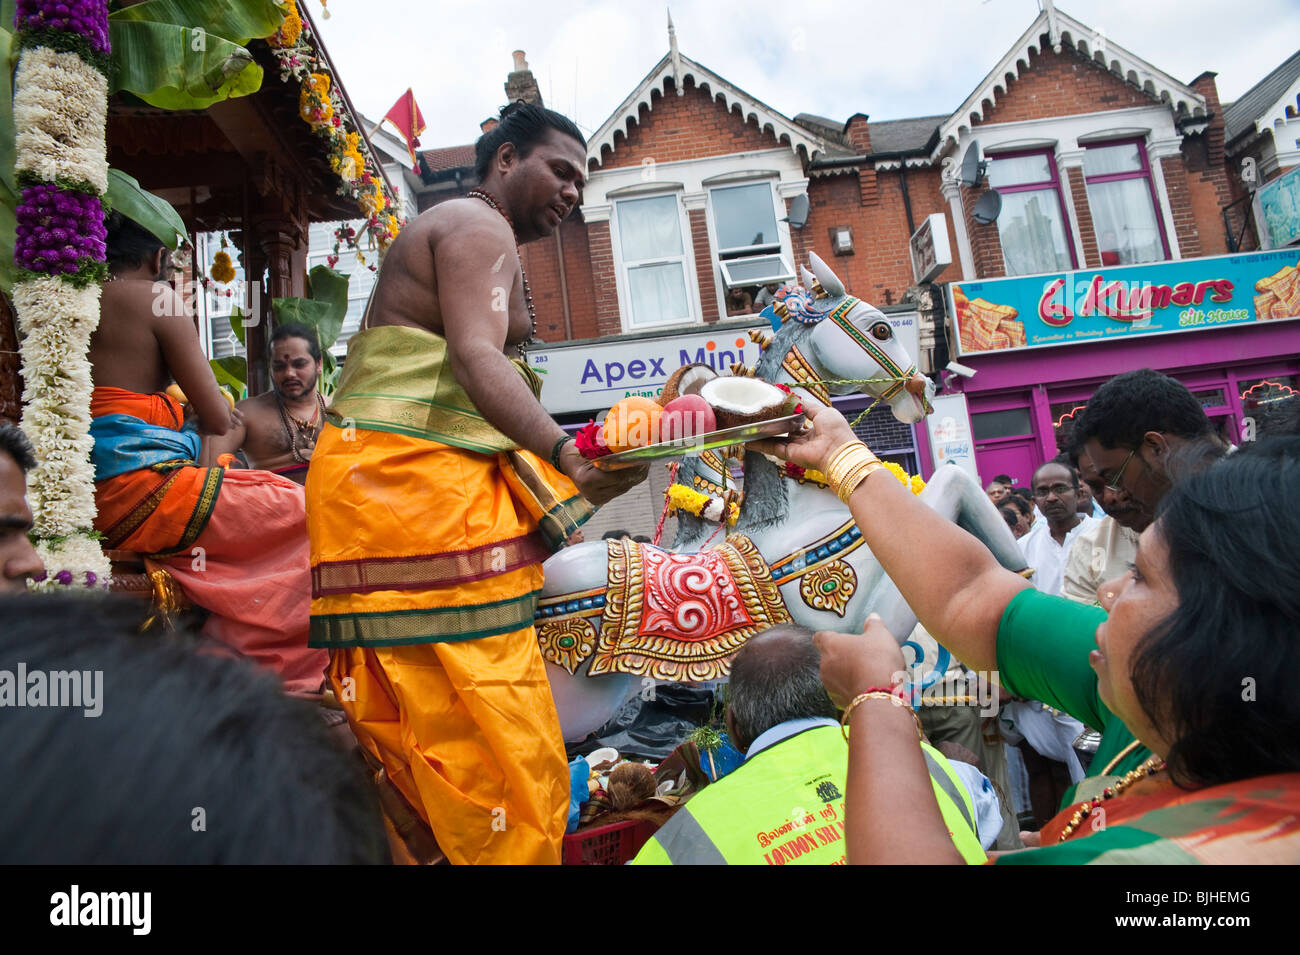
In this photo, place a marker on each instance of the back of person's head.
(1018, 502)
(129, 245)
(524, 124)
(1129, 405)
(1218, 675)
(167, 755)
(1281, 418)
(1010, 516)
(296, 330)
(1003, 479)
(614, 535)
(14, 443)
(775, 677)
(1024, 493)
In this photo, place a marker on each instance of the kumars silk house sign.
(1089, 305)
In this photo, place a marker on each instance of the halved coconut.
(686, 380)
(738, 401)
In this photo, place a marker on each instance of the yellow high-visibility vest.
(785, 806)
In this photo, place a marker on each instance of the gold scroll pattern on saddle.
(672, 617)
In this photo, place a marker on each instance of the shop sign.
(592, 377)
(950, 436)
(1091, 305)
(1277, 211)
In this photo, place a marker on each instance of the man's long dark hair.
(523, 124)
(1217, 677)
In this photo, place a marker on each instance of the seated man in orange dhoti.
(234, 540)
(431, 505)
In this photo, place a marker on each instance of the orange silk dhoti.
(234, 540)
(426, 569)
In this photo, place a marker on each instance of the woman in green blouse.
(1186, 667)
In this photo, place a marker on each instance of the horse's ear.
(830, 281)
(807, 279)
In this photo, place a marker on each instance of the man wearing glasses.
(1132, 428)
(1047, 545)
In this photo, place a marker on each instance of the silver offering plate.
(770, 428)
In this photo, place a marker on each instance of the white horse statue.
(617, 616)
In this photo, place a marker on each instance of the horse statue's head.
(827, 335)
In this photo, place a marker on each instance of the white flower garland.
(61, 117)
(58, 102)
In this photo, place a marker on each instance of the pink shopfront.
(1040, 345)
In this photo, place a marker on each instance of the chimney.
(489, 124)
(520, 84)
(857, 133)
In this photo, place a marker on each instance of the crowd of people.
(386, 559)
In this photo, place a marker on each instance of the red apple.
(686, 416)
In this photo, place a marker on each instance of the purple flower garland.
(88, 18)
(60, 231)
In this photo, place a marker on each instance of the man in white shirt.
(1047, 545)
(1107, 549)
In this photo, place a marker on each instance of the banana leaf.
(237, 22)
(237, 323)
(7, 64)
(231, 371)
(157, 215)
(8, 236)
(176, 67)
(324, 311)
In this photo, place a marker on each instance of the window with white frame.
(748, 245)
(1122, 199)
(1032, 225)
(654, 261)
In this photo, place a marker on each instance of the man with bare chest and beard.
(280, 427)
(437, 488)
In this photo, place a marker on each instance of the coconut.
(739, 401)
(686, 380)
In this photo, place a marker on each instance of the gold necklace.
(492, 202)
(1118, 756)
(1152, 766)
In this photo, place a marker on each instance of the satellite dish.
(799, 210)
(988, 207)
(971, 167)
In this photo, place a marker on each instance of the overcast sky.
(890, 60)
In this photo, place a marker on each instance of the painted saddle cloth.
(673, 617)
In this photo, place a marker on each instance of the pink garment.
(250, 569)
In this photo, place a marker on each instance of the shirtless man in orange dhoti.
(235, 540)
(436, 490)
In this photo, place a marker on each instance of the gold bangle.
(876, 695)
(851, 460)
(850, 484)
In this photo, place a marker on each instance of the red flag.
(405, 116)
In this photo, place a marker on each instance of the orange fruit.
(632, 422)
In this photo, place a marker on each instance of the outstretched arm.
(952, 581)
(891, 815)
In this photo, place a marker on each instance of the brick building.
(1100, 160)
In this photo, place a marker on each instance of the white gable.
(678, 68)
(1063, 30)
